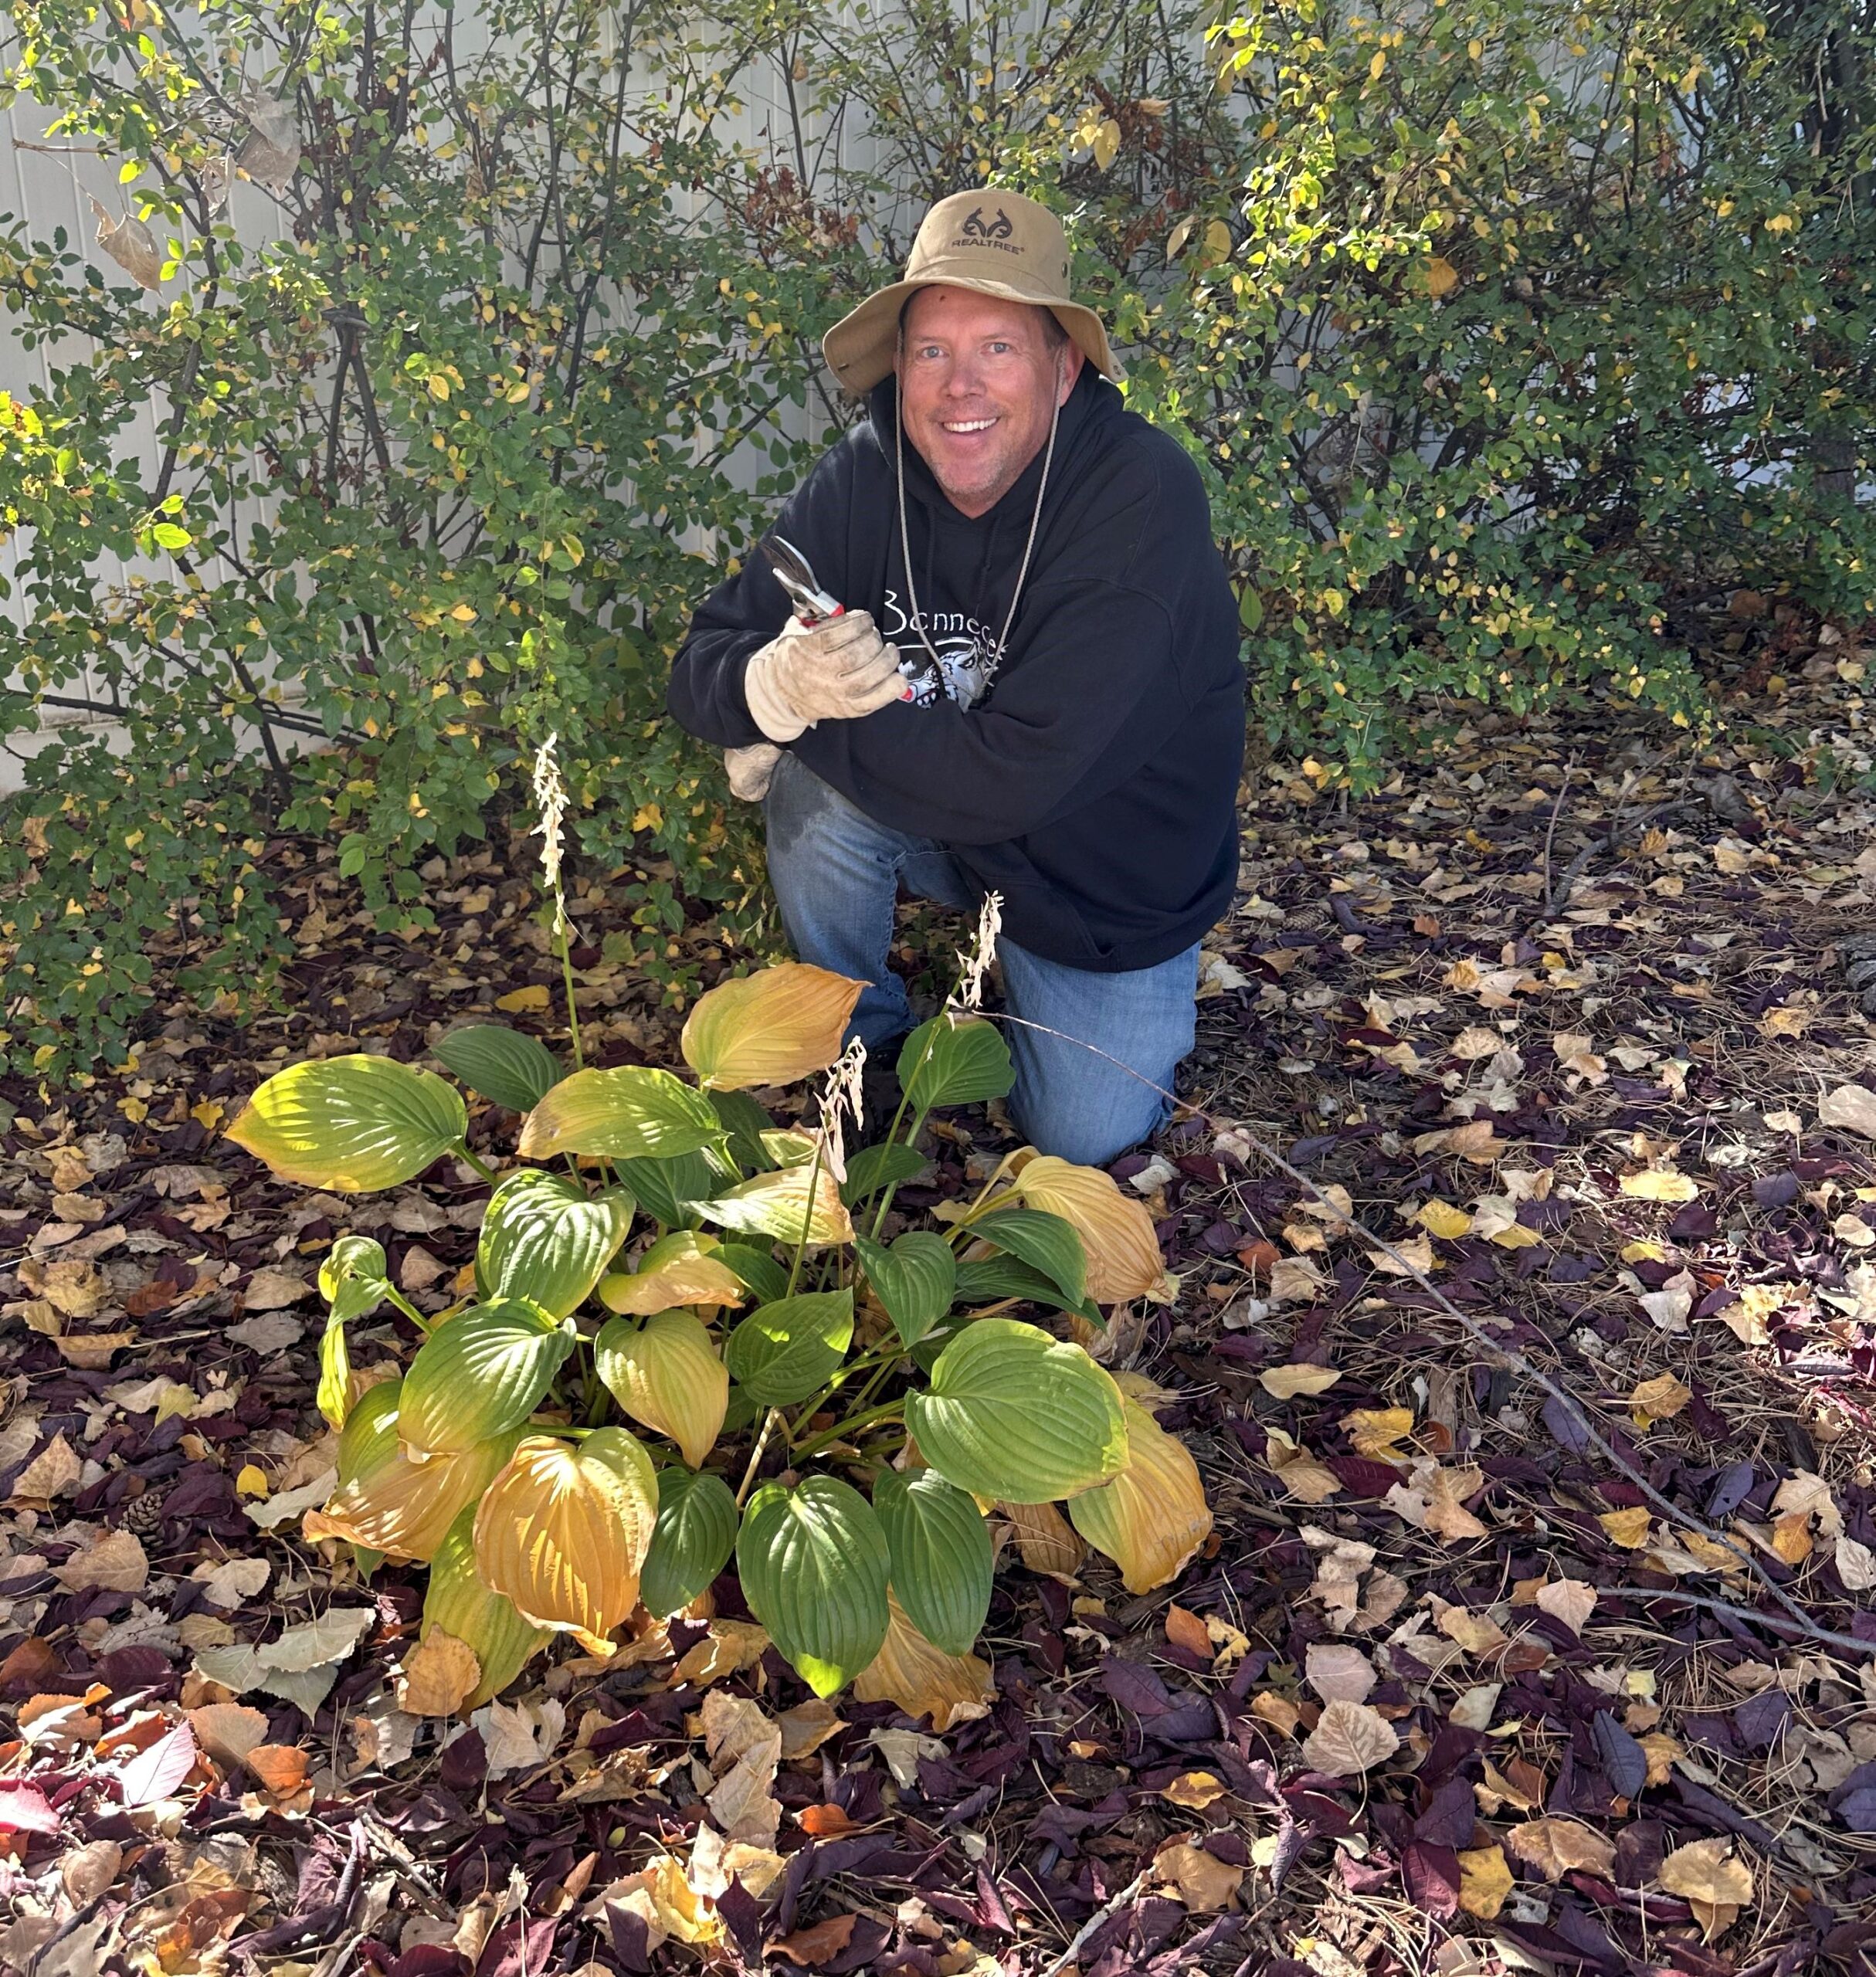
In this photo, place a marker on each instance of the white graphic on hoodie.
(966, 652)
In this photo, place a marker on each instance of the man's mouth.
(964, 428)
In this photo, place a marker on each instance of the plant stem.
(566, 975)
(409, 1309)
(807, 1220)
(842, 1429)
(481, 1167)
(755, 1454)
(886, 1199)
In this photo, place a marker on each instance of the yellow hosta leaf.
(563, 1530)
(1151, 1517)
(1123, 1258)
(667, 1375)
(1443, 1219)
(1628, 1528)
(1045, 1540)
(387, 1503)
(351, 1124)
(777, 1205)
(923, 1679)
(770, 1028)
(1484, 1880)
(678, 1269)
(1660, 1183)
(1374, 1431)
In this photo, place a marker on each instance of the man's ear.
(1068, 362)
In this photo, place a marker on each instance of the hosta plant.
(696, 1336)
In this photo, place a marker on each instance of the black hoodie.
(1094, 781)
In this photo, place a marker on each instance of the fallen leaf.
(1374, 1431)
(116, 1562)
(1554, 1847)
(1443, 1219)
(1484, 1880)
(1194, 1790)
(1852, 1106)
(806, 1727)
(1348, 1739)
(1286, 1382)
(812, 1947)
(1202, 1881)
(1628, 1528)
(1706, 1870)
(53, 1472)
(730, 1646)
(439, 1675)
(228, 1731)
(1186, 1629)
(1658, 1399)
(1339, 1672)
(1660, 1183)
(1570, 1600)
(522, 1001)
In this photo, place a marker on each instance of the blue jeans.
(837, 873)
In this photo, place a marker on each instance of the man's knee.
(1087, 1121)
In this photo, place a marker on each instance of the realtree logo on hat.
(995, 243)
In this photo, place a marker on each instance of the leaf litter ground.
(1563, 1015)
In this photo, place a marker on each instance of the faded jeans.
(837, 873)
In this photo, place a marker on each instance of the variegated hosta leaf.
(1123, 1258)
(386, 1502)
(922, 1679)
(667, 1375)
(812, 1564)
(1153, 1516)
(633, 1112)
(778, 1205)
(1011, 1413)
(352, 1125)
(544, 1238)
(770, 1028)
(563, 1531)
(459, 1603)
(681, 1268)
(484, 1371)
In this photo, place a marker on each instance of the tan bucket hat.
(997, 243)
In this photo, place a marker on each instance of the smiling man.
(1034, 689)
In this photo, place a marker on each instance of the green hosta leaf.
(353, 1124)
(1014, 1415)
(745, 1122)
(913, 1280)
(884, 1166)
(990, 1279)
(458, 1602)
(668, 1190)
(502, 1064)
(352, 1280)
(481, 1373)
(941, 1560)
(813, 1565)
(1044, 1241)
(691, 1544)
(781, 1352)
(954, 1060)
(758, 1269)
(544, 1238)
(633, 1112)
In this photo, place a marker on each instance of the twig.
(1556, 810)
(1676, 1514)
(1105, 1913)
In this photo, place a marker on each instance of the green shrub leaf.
(501, 1064)
(352, 1125)
(883, 1165)
(954, 1060)
(633, 1113)
(781, 1352)
(1045, 1242)
(941, 1560)
(813, 1565)
(1013, 1414)
(544, 1238)
(480, 1375)
(692, 1542)
(913, 1280)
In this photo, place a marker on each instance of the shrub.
(765, 1322)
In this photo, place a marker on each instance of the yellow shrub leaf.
(1628, 1528)
(1705, 1871)
(1484, 1880)
(1442, 276)
(563, 1530)
(769, 1028)
(519, 1002)
(923, 1679)
(1193, 1790)
(678, 1269)
(667, 1375)
(1123, 1258)
(1658, 1399)
(1204, 1884)
(1660, 1183)
(1443, 1219)
(1556, 1847)
(1152, 1517)
(1286, 1382)
(1374, 1431)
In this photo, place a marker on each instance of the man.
(1034, 690)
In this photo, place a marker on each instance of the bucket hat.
(995, 243)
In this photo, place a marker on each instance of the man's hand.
(839, 669)
(750, 770)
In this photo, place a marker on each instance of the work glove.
(751, 769)
(839, 670)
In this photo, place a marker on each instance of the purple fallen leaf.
(1565, 1425)
(1625, 1763)
(155, 1773)
(25, 1808)
(1432, 1874)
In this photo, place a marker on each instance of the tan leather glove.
(750, 770)
(837, 670)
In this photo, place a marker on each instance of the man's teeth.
(969, 426)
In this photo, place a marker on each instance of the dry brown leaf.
(1706, 1870)
(439, 1674)
(1852, 1106)
(1570, 1600)
(812, 1948)
(1286, 1382)
(1658, 1399)
(228, 1731)
(1045, 1540)
(1348, 1739)
(806, 1727)
(1305, 1479)
(1339, 1672)
(922, 1679)
(53, 1472)
(280, 1769)
(116, 1562)
(1204, 1884)
(730, 1646)
(1278, 1712)
(1194, 1790)
(1185, 1628)
(1554, 1847)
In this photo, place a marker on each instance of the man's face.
(979, 381)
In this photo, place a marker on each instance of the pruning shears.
(812, 605)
